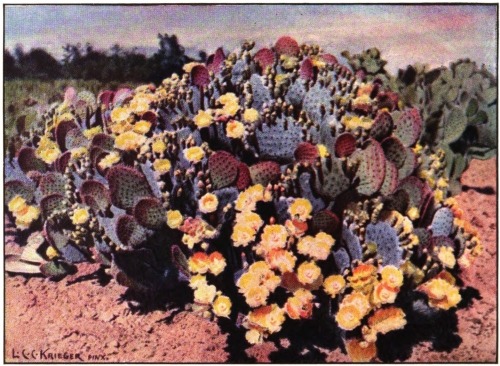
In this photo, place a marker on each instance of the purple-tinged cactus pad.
(325, 221)
(408, 127)
(61, 131)
(386, 238)
(345, 145)
(129, 231)
(397, 201)
(391, 179)
(75, 139)
(394, 151)
(18, 188)
(52, 183)
(223, 169)
(127, 186)
(387, 100)
(442, 223)
(180, 261)
(49, 204)
(106, 98)
(149, 213)
(306, 71)
(214, 62)
(306, 152)
(98, 191)
(328, 58)
(382, 126)
(103, 141)
(122, 95)
(371, 169)
(409, 165)
(62, 162)
(287, 46)
(416, 189)
(264, 57)
(200, 76)
(265, 172)
(244, 179)
(28, 161)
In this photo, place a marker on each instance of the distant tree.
(168, 59)
(38, 63)
(10, 67)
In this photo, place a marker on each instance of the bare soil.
(83, 319)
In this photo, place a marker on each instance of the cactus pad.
(386, 238)
(61, 130)
(325, 221)
(129, 231)
(56, 269)
(98, 192)
(306, 152)
(75, 138)
(28, 161)
(352, 243)
(442, 222)
(200, 76)
(265, 172)
(416, 189)
(62, 162)
(121, 96)
(260, 93)
(18, 188)
(345, 145)
(382, 126)
(287, 46)
(410, 164)
(215, 61)
(342, 259)
(49, 204)
(105, 142)
(306, 191)
(317, 97)
(390, 180)
(223, 169)
(334, 180)
(264, 57)
(306, 70)
(127, 186)
(149, 213)
(278, 141)
(394, 151)
(296, 93)
(371, 169)
(454, 125)
(52, 183)
(244, 179)
(408, 127)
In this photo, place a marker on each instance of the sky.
(432, 34)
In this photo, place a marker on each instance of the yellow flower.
(253, 336)
(348, 317)
(205, 294)
(318, 247)
(78, 152)
(289, 62)
(197, 281)
(322, 150)
(249, 219)
(439, 195)
(16, 204)
(358, 300)
(360, 351)
(446, 256)
(162, 166)
(203, 118)
(80, 216)
(121, 127)
(110, 159)
(442, 183)
(334, 284)
(280, 79)
(140, 103)
(280, 259)
(248, 281)
(222, 306)
(208, 203)
(228, 98)
(235, 129)
(189, 66)
(308, 273)
(159, 146)
(363, 277)
(273, 237)
(230, 104)
(174, 219)
(47, 150)
(247, 200)
(91, 132)
(142, 127)
(26, 216)
(199, 262)
(129, 141)
(257, 296)
(251, 115)
(392, 275)
(353, 122)
(384, 294)
(120, 114)
(216, 263)
(242, 235)
(299, 305)
(441, 293)
(194, 154)
(274, 319)
(51, 253)
(413, 213)
(300, 209)
(386, 320)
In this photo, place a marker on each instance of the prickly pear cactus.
(278, 184)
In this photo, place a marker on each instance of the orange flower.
(216, 263)
(384, 294)
(386, 320)
(309, 273)
(359, 300)
(363, 277)
(300, 305)
(280, 259)
(360, 351)
(441, 293)
(269, 317)
(348, 317)
(199, 263)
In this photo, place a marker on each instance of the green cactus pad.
(382, 126)
(454, 125)
(18, 188)
(56, 269)
(265, 172)
(325, 221)
(28, 161)
(386, 238)
(371, 168)
(127, 186)
(149, 213)
(49, 204)
(61, 131)
(333, 181)
(410, 164)
(408, 126)
(223, 169)
(129, 231)
(99, 193)
(391, 179)
(52, 183)
(394, 151)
